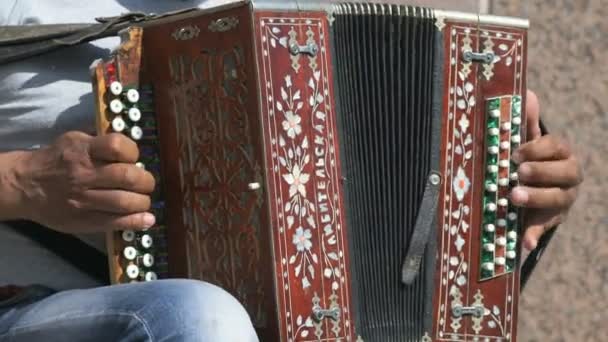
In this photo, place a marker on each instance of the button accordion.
(343, 169)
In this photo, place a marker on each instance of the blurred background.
(567, 297)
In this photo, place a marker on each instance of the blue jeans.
(164, 310)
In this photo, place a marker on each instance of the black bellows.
(384, 61)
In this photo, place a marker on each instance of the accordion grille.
(384, 57)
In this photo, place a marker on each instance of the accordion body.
(342, 169)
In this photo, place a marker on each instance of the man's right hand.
(83, 184)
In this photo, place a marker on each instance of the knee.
(197, 311)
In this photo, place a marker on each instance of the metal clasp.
(475, 311)
(310, 49)
(319, 314)
(479, 57)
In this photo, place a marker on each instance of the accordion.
(342, 168)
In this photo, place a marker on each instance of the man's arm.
(79, 184)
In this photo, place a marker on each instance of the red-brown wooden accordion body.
(251, 182)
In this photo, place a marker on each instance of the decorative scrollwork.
(186, 33)
(224, 24)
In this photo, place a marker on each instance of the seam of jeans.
(75, 315)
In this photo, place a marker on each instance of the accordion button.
(511, 255)
(488, 266)
(140, 165)
(500, 261)
(136, 133)
(503, 182)
(503, 163)
(505, 145)
(516, 120)
(492, 168)
(506, 126)
(151, 276)
(512, 216)
(146, 241)
(116, 106)
(132, 95)
(514, 176)
(512, 235)
(495, 113)
(501, 241)
(118, 124)
(491, 187)
(491, 207)
(132, 271)
(516, 139)
(128, 235)
(130, 252)
(490, 228)
(148, 260)
(134, 114)
(503, 202)
(493, 150)
(489, 247)
(494, 131)
(116, 88)
(501, 223)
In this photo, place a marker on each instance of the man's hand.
(84, 184)
(549, 175)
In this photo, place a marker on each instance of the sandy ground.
(567, 299)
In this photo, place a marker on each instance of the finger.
(125, 177)
(543, 198)
(538, 222)
(113, 201)
(114, 148)
(532, 116)
(561, 173)
(103, 222)
(547, 147)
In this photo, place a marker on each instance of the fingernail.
(524, 170)
(530, 244)
(149, 220)
(516, 157)
(519, 196)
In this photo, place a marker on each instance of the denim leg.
(164, 310)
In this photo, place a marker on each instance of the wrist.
(13, 179)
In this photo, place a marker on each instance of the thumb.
(532, 116)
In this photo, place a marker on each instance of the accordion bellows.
(342, 169)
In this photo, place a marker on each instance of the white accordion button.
(501, 241)
(130, 253)
(491, 207)
(495, 113)
(140, 165)
(506, 126)
(116, 88)
(128, 235)
(116, 106)
(132, 271)
(133, 95)
(488, 266)
(148, 260)
(503, 163)
(493, 150)
(514, 176)
(491, 187)
(512, 216)
(490, 228)
(146, 241)
(489, 247)
(136, 133)
(511, 254)
(512, 235)
(501, 223)
(505, 145)
(118, 124)
(503, 182)
(134, 114)
(151, 276)
(516, 139)
(494, 131)
(492, 168)
(517, 120)
(503, 202)
(500, 261)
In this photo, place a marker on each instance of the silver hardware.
(479, 57)
(186, 33)
(318, 314)
(310, 49)
(435, 178)
(224, 24)
(475, 311)
(254, 186)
